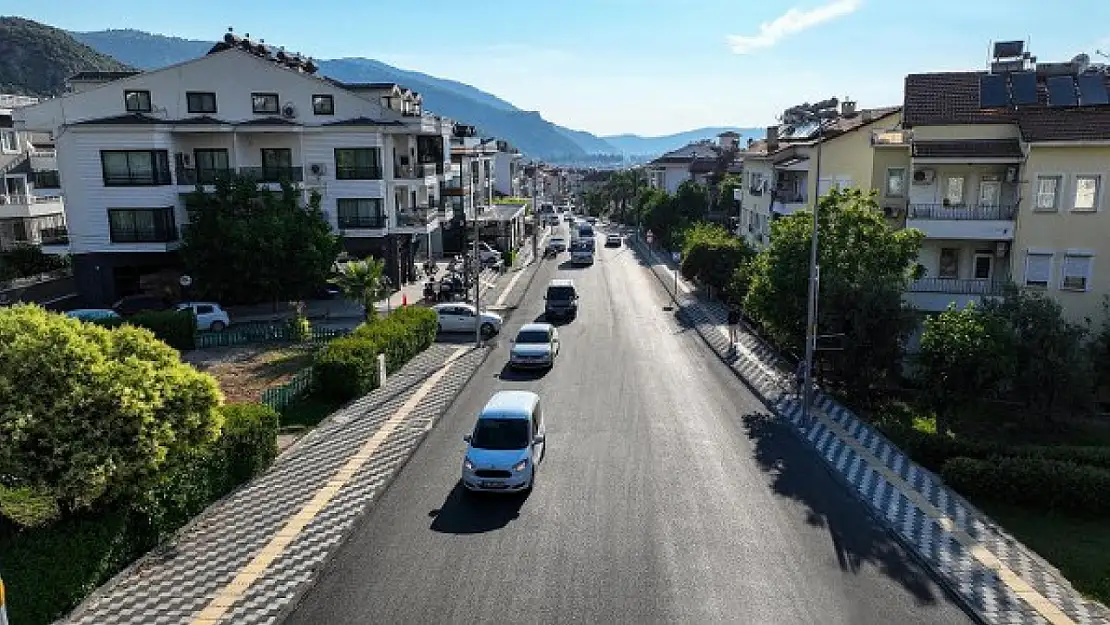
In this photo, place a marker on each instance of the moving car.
(613, 240)
(558, 243)
(457, 317)
(507, 443)
(92, 314)
(210, 317)
(535, 345)
(582, 252)
(561, 300)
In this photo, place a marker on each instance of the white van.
(507, 443)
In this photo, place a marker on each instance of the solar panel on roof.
(1023, 87)
(1092, 90)
(1061, 91)
(992, 91)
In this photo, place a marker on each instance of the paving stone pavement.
(903, 495)
(173, 585)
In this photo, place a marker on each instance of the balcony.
(993, 222)
(365, 172)
(189, 176)
(58, 235)
(18, 206)
(419, 217)
(362, 222)
(936, 294)
(901, 138)
(46, 179)
(275, 174)
(430, 169)
(406, 172)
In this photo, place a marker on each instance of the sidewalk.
(996, 577)
(249, 557)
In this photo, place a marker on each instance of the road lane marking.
(234, 590)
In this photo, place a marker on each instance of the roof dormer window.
(137, 101)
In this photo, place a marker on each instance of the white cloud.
(792, 22)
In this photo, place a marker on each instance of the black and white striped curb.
(980, 587)
(173, 585)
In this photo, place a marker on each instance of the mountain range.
(35, 59)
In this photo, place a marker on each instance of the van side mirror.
(539, 438)
(466, 438)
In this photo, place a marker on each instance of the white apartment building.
(698, 161)
(132, 147)
(507, 170)
(469, 189)
(31, 207)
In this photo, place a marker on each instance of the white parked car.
(536, 345)
(210, 317)
(92, 314)
(459, 317)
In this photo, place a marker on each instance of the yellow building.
(1007, 191)
(781, 171)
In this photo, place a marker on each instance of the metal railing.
(250, 333)
(28, 200)
(958, 286)
(368, 222)
(54, 236)
(420, 216)
(404, 172)
(963, 212)
(12, 101)
(193, 176)
(298, 386)
(372, 172)
(274, 174)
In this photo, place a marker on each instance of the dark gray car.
(562, 300)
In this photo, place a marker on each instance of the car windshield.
(560, 293)
(500, 434)
(533, 336)
(556, 239)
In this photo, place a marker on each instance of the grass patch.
(308, 411)
(1001, 423)
(244, 372)
(1080, 548)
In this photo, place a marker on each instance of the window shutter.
(1038, 269)
(1074, 272)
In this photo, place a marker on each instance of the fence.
(279, 397)
(247, 334)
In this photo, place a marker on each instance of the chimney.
(847, 108)
(772, 138)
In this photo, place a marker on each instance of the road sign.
(650, 236)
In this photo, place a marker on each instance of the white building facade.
(31, 208)
(131, 148)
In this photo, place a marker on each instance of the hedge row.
(933, 451)
(176, 329)
(1035, 482)
(95, 545)
(348, 366)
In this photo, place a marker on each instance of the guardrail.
(298, 386)
(253, 333)
(960, 212)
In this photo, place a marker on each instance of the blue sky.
(643, 66)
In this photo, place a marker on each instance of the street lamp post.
(814, 289)
(535, 220)
(477, 286)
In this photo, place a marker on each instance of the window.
(360, 212)
(1087, 191)
(8, 142)
(357, 164)
(896, 182)
(142, 225)
(949, 264)
(954, 190)
(47, 179)
(1075, 272)
(989, 192)
(984, 265)
(200, 101)
(323, 105)
(211, 164)
(135, 168)
(277, 165)
(501, 434)
(264, 103)
(1038, 269)
(137, 101)
(1048, 193)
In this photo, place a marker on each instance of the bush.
(176, 329)
(30, 260)
(933, 450)
(89, 414)
(348, 367)
(1034, 482)
(711, 256)
(248, 440)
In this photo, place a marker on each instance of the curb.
(303, 589)
(937, 576)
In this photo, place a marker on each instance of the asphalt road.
(667, 496)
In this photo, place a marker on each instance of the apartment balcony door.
(983, 269)
(276, 163)
(990, 192)
(211, 164)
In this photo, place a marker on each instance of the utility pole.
(814, 289)
(477, 286)
(535, 219)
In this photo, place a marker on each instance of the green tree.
(596, 202)
(365, 282)
(89, 414)
(661, 216)
(965, 355)
(726, 200)
(245, 244)
(1052, 366)
(711, 256)
(864, 269)
(691, 201)
(622, 189)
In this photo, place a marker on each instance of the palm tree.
(365, 282)
(623, 188)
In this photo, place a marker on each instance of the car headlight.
(520, 466)
(467, 464)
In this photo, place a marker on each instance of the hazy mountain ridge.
(36, 59)
(637, 145)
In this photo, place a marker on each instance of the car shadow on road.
(464, 512)
(566, 265)
(509, 374)
(555, 321)
(794, 467)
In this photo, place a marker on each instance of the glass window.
(137, 101)
(1048, 193)
(984, 263)
(135, 167)
(1038, 269)
(949, 265)
(204, 310)
(1087, 190)
(896, 182)
(201, 101)
(531, 337)
(1075, 273)
(323, 105)
(264, 103)
(501, 434)
(360, 213)
(141, 225)
(954, 190)
(8, 141)
(560, 293)
(357, 164)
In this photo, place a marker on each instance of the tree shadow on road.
(464, 512)
(800, 475)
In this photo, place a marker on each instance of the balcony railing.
(274, 174)
(963, 212)
(46, 179)
(370, 172)
(430, 169)
(362, 222)
(956, 286)
(13, 101)
(29, 200)
(193, 176)
(416, 217)
(891, 137)
(43, 153)
(790, 197)
(54, 236)
(406, 172)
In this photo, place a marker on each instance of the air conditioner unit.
(1011, 174)
(318, 169)
(924, 176)
(1001, 248)
(289, 111)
